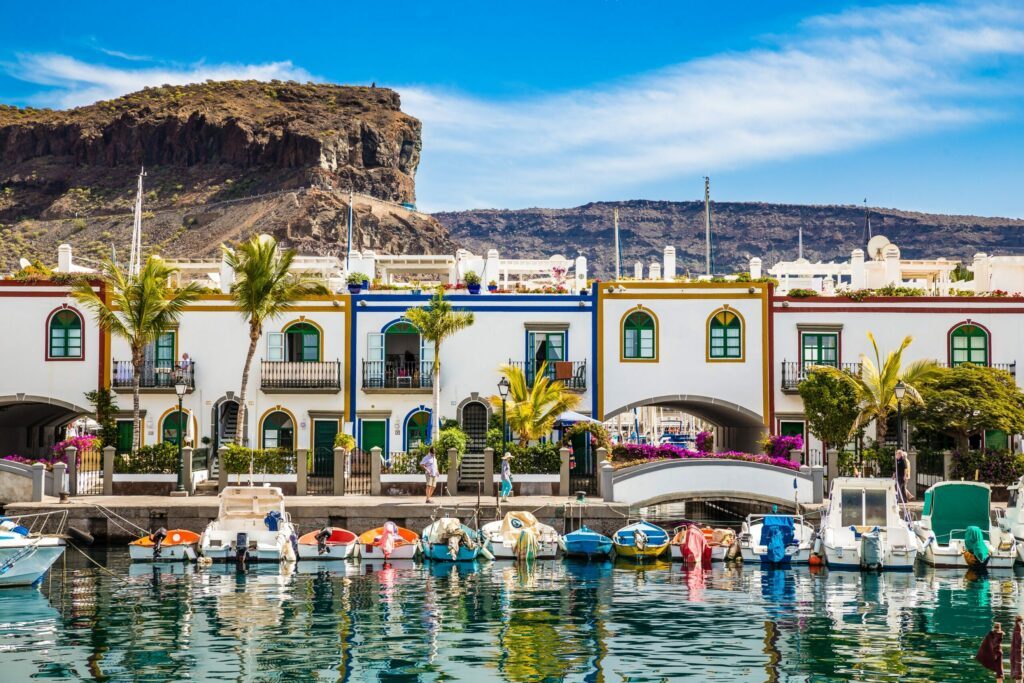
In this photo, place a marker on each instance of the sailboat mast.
(348, 243)
(618, 254)
(707, 225)
(135, 255)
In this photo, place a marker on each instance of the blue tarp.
(776, 534)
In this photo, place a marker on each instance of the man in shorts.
(429, 465)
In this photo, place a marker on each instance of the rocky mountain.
(222, 160)
(740, 231)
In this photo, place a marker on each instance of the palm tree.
(875, 385)
(140, 309)
(437, 322)
(534, 407)
(263, 289)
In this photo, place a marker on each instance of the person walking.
(1016, 667)
(429, 465)
(902, 473)
(506, 476)
(990, 654)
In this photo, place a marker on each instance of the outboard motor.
(294, 540)
(241, 549)
(158, 537)
(871, 550)
(640, 539)
(322, 537)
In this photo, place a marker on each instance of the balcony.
(795, 372)
(298, 377)
(392, 377)
(153, 378)
(572, 374)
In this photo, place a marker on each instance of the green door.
(125, 432)
(791, 429)
(324, 432)
(374, 433)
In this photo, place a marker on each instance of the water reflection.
(551, 620)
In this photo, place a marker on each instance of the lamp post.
(900, 391)
(503, 387)
(179, 389)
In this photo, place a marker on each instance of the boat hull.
(849, 559)
(632, 552)
(401, 552)
(438, 552)
(503, 550)
(30, 568)
(587, 548)
(951, 557)
(169, 553)
(333, 551)
(801, 555)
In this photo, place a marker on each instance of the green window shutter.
(165, 350)
(638, 336)
(725, 336)
(968, 344)
(65, 335)
(820, 349)
(278, 430)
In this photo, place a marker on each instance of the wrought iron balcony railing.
(153, 375)
(323, 375)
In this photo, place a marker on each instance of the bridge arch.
(712, 479)
(29, 424)
(738, 427)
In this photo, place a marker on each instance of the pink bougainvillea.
(628, 455)
(705, 441)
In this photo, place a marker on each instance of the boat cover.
(696, 548)
(954, 506)
(776, 535)
(974, 543)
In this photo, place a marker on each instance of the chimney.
(64, 258)
(755, 268)
(670, 263)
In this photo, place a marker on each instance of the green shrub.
(346, 441)
(471, 278)
(161, 458)
(267, 461)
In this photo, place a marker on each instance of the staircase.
(471, 471)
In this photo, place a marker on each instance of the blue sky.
(915, 106)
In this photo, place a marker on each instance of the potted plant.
(472, 282)
(492, 286)
(355, 282)
(416, 288)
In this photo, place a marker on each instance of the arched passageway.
(736, 428)
(30, 425)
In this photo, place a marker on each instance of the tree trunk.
(963, 442)
(254, 338)
(881, 429)
(436, 417)
(136, 378)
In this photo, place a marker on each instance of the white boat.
(25, 557)
(956, 528)
(329, 543)
(1012, 520)
(775, 539)
(866, 528)
(502, 537)
(251, 526)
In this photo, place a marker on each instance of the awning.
(571, 417)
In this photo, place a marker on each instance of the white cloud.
(73, 82)
(837, 83)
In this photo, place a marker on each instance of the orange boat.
(330, 543)
(389, 542)
(176, 545)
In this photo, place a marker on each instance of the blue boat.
(585, 542)
(640, 540)
(449, 540)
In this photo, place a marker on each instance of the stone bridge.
(711, 479)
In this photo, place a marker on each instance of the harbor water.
(556, 620)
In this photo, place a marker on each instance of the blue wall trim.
(484, 309)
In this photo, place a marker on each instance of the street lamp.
(900, 391)
(179, 389)
(503, 387)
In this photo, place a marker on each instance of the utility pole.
(707, 226)
(618, 256)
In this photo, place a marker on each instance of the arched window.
(417, 429)
(725, 336)
(173, 426)
(65, 335)
(302, 343)
(968, 343)
(639, 336)
(278, 430)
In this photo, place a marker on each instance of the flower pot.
(354, 289)
(473, 289)
(492, 288)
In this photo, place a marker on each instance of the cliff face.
(70, 175)
(740, 231)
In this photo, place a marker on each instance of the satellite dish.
(876, 247)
